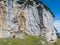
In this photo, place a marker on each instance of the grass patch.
(30, 40)
(58, 41)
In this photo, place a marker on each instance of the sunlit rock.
(21, 18)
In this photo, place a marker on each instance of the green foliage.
(58, 41)
(30, 40)
(58, 35)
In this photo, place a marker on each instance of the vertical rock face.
(18, 18)
(3, 17)
(49, 27)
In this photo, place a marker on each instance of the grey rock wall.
(25, 18)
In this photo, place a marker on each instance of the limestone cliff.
(26, 17)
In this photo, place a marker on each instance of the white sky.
(57, 25)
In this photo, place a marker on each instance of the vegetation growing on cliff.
(30, 40)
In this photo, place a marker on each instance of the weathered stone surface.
(18, 19)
